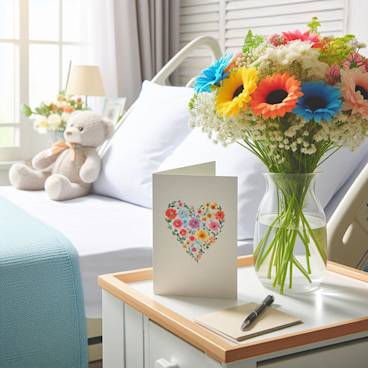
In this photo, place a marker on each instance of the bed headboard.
(172, 65)
(209, 42)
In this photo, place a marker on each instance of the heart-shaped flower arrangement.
(195, 230)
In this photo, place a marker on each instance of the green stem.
(269, 273)
(305, 240)
(301, 268)
(291, 275)
(289, 225)
(320, 249)
(263, 243)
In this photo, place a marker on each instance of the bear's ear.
(109, 127)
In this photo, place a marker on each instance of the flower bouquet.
(292, 99)
(53, 116)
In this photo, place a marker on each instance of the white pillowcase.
(235, 160)
(155, 127)
(336, 171)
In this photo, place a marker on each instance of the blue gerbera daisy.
(320, 101)
(213, 74)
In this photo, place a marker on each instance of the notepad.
(227, 322)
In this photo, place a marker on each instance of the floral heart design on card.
(195, 229)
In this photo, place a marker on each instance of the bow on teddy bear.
(68, 169)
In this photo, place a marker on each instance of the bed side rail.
(347, 229)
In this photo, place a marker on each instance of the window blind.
(197, 18)
(229, 21)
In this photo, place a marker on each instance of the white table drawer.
(163, 345)
(353, 355)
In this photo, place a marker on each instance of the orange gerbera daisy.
(275, 96)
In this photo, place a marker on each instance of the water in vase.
(309, 268)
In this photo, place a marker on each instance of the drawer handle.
(163, 363)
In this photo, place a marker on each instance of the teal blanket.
(42, 321)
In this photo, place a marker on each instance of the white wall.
(4, 174)
(357, 20)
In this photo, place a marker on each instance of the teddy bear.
(67, 169)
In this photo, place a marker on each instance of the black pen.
(253, 316)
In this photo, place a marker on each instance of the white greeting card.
(195, 232)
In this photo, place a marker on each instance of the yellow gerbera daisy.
(234, 94)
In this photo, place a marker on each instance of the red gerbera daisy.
(297, 35)
(286, 37)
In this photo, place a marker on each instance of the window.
(38, 38)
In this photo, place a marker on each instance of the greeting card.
(195, 232)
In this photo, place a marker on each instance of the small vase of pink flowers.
(51, 118)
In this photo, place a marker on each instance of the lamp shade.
(85, 80)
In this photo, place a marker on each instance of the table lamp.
(85, 80)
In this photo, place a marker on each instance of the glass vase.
(54, 136)
(290, 240)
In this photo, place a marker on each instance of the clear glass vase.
(54, 136)
(290, 240)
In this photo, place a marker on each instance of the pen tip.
(245, 325)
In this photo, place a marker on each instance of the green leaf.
(43, 110)
(251, 42)
(314, 25)
(338, 49)
(192, 102)
(26, 111)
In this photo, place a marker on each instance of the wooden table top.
(339, 308)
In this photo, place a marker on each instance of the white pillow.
(157, 124)
(235, 160)
(336, 171)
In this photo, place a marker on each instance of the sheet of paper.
(227, 322)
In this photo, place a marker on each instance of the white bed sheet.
(109, 235)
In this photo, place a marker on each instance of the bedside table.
(143, 330)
